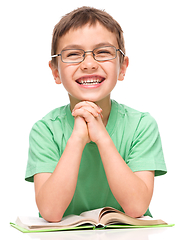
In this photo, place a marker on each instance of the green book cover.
(102, 218)
(88, 227)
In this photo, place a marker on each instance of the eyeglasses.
(100, 54)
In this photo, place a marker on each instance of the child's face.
(71, 75)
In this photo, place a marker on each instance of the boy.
(93, 152)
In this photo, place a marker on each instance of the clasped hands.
(88, 124)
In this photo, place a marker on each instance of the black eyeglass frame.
(116, 49)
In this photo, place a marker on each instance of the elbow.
(135, 212)
(51, 217)
(48, 212)
(135, 208)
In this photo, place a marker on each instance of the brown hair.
(79, 18)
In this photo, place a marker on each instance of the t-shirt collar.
(111, 121)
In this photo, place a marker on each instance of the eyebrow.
(76, 46)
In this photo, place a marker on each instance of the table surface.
(141, 234)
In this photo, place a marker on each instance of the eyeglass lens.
(99, 54)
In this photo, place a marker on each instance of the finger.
(95, 106)
(87, 108)
(84, 113)
(87, 103)
(80, 104)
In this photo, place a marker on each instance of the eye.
(103, 51)
(73, 53)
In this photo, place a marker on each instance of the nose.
(89, 64)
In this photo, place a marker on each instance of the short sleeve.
(146, 152)
(43, 153)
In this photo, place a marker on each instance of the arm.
(133, 191)
(54, 191)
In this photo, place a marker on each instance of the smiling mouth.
(90, 80)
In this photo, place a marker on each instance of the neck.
(104, 104)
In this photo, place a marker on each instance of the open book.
(100, 218)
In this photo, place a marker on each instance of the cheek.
(112, 69)
(65, 72)
(118, 67)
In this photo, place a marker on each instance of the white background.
(28, 92)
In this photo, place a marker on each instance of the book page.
(117, 218)
(92, 214)
(36, 222)
(28, 221)
(146, 218)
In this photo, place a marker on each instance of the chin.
(90, 98)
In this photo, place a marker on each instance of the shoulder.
(57, 113)
(51, 120)
(133, 119)
(133, 114)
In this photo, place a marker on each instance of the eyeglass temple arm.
(57, 55)
(121, 52)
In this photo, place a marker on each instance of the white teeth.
(91, 81)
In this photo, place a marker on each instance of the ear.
(55, 73)
(123, 69)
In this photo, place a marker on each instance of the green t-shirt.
(135, 135)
